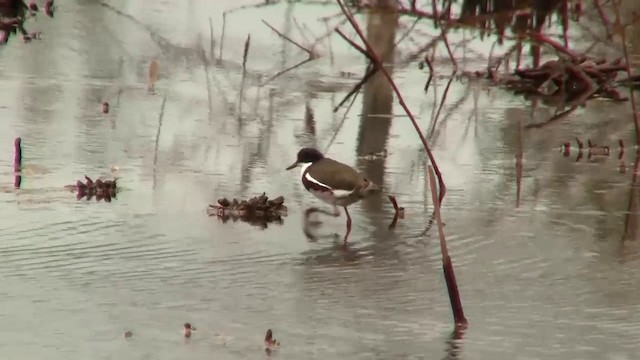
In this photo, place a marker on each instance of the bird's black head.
(305, 156)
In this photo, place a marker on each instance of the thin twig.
(286, 71)
(355, 46)
(447, 266)
(308, 51)
(224, 27)
(155, 151)
(378, 62)
(344, 117)
(245, 54)
(604, 19)
(442, 101)
(371, 70)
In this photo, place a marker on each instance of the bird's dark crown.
(309, 155)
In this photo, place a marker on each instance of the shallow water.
(550, 279)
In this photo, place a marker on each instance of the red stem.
(447, 266)
(378, 62)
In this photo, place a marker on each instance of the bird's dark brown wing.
(337, 175)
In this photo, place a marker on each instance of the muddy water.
(550, 279)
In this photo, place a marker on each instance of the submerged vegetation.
(13, 15)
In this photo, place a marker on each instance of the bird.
(332, 182)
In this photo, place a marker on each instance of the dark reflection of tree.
(377, 102)
(99, 60)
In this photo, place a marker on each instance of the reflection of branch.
(308, 51)
(519, 150)
(286, 70)
(442, 101)
(631, 223)
(453, 345)
(553, 118)
(371, 70)
(378, 64)
(344, 117)
(155, 152)
(636, 119)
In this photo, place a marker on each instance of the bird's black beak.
(292, 165)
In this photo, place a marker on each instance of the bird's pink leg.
(348, 224)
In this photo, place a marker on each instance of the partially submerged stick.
(153, 75)
(244, 74)
(399, 211)
(17, 158)
(17, 162)
(452, 286)
(155, 152)
(519, 151)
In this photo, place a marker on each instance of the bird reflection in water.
(309, 223)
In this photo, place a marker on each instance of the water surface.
(550, 279)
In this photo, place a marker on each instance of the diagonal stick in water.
(245, 54)
(447, 266)
(378, 63)
(155, 150)
(224, 26)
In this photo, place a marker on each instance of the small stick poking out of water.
(246, 52)
(17, 159)
(153, 76)
(447, 266)
(224, 25)
(244, 75)
(187, 329)
(270, 343)
(17, 163)
(212, 41)
(48, 8)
